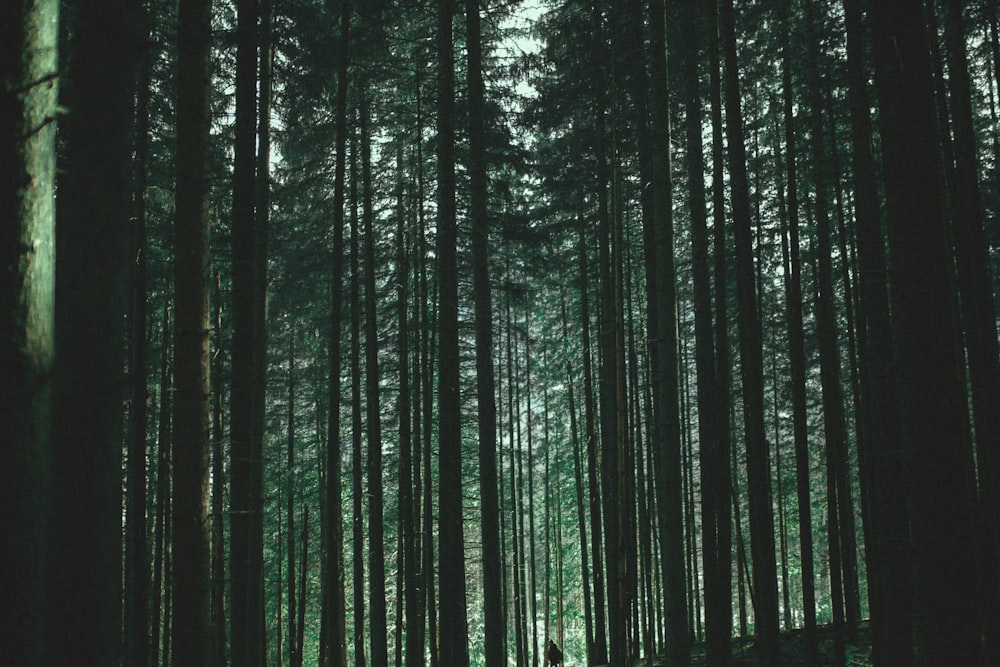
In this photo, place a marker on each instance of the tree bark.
(751, 364)
(192, 630)
(91, 300)
(28, 66)
(948, 630)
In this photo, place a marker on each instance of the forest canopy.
(500, 332)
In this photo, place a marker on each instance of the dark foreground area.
(793, 651)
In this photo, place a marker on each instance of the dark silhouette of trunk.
(162, 513)
(580, 506)
(376, 495)
(408, 453)
(93, 233)
(357, 422)
(294, 649)
(797, 360)
(335, 619)
(455, 651)
(978, 313)
(218, 486)
(716, 627)
(28, 97)
(717, 647)
(246, 580)
(834, 428)
(889, 594)
(948, 630)
(192, 623)
(485, 384)
(667, 462)
(136, 609)
(600, 634)
(751, 365)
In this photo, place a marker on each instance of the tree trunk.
(717, 648)
(84, 563)
(889, 592)
(485, 384)
(192, 630)
(218, 488)
(797, 362)
(357, 422)
(751, 365)
(455, 651)
(246, 631)
(948, 630)
(978, 313)
(336, 615)
(28, 66)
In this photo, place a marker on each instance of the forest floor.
(793, 654)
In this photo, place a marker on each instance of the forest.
(421, 332)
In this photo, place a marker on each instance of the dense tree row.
(425, 333)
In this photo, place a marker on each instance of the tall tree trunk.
(717, 649)
(580, 506)
(28, 66)
(408, 453)
(92, 242)
(218, 487)
(948, 630)
(376, 495)
(889, 592)
(667, 453)
(136, 608)
(357, 422)
(751, 365)
(600, 633)
(335, 604)
(161, 519)
(246, 631)
(797, 359)
(978, 313)
(834, 428)
(485, 384)
(455, 651)
(294, 650)
(192, 630)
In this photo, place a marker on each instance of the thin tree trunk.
(335, 620)
(357, 423)
(717, 647)
(136, 608)
(376, 495)
(797, 363)
(751, 366)
(218, 488)
(161, 520)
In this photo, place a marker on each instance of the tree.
(28, 66)
(92, 255)
(948, 630)
(485, 385)
(246, 444)
(451, 552)
(751, 361)
(192, 631)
